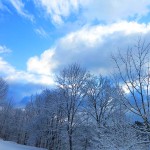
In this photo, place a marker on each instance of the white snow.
(7, 145)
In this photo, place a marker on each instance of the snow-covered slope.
(7, 145)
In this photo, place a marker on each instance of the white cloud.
(92, 35)
(12, 75)
(19, 6)
(59, 9)
(26, 77)
(116, 10)
(4, 49)
(92, 10)
(43, 64)
(92, 46)
(6, 68)
(40, 31)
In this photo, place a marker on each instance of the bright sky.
(39, 37)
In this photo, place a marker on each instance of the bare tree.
(134, 72)
(71, 82)
(3, 89)
(100, 95)
(46, 118)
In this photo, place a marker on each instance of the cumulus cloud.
(43, 64)
(91, 46)
(5, 68)
(39, 69)
(13, 75)
(94, 10)
(25, 77)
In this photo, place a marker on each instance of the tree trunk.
(70, 141)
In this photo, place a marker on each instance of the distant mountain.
(23, 102)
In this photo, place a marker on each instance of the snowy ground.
(7, 145)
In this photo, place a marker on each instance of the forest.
(86, 111)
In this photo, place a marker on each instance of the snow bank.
(7, 145)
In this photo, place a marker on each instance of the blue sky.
(39, 37)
